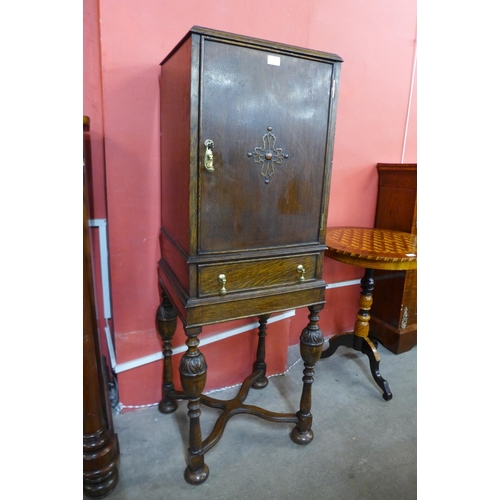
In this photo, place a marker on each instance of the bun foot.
(260, 383)
(167, 407)
(299, 437)
(196, 477)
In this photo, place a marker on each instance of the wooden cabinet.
(394, 311)
(247, 141)
(247, 129)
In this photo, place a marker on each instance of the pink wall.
(122, 53)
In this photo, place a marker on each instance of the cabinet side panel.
(410, 297)
(396, 205)
(175, 144)
(394, 309)
(395, 209)
(329, 151)
(389, 289)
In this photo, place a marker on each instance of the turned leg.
(362, 325)
(260, 363)
(361, 341)
(166, 319)
(193, 372)
(311, 344)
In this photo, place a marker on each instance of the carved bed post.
(100, 443)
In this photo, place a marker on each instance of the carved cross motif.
(268, 155)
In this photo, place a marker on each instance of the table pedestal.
(370, 249)
(358, 339)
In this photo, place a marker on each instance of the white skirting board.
(150, 358)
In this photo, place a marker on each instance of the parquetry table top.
(372, 248)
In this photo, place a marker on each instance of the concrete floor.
(363, 447)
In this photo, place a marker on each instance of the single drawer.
(230, 277)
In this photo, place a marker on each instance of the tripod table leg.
(361, 341)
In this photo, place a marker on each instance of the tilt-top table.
(371, 249)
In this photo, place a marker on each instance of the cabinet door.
(266, 114)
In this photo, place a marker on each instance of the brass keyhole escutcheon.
(208, 161)
(302, 270)
(222, 280)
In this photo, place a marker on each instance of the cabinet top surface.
(372, 248)
(398, 167)
(256, 42)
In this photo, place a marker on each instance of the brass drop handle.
(222, 279)
(209, 155)
(302, 270)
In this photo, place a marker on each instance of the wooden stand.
(193, 370)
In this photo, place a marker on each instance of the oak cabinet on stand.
(247, 130)
(394, 315)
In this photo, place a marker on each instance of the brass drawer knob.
(222, 279)
(302, 270)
